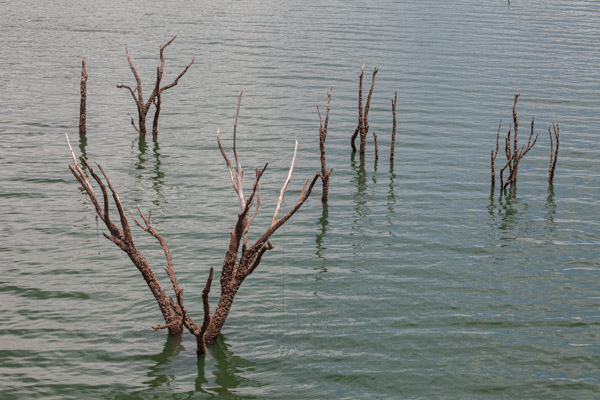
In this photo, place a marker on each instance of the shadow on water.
(504, 213)
(375, 170)
(227, 373)
(360, 197)
(157, 177)
(222, 380)
(158, 372)
(323, 222)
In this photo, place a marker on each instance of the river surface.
(418, 280)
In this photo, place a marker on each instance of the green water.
(417, 281)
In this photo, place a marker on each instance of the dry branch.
(82, 104)
(322, 137)
(155, 97)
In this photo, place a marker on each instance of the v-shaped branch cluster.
(241, 258)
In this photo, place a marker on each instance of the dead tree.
(155, 97)
(393, 145)
(322, 136)
(363, 116)
(512, 151)
(82, 104)
(553, 151)
(237, 264)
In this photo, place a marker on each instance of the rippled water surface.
(417, 281)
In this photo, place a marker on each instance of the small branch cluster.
(155, 97)
(322, 136)
(363, 115)
(514, 154)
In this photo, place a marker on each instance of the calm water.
(416, 282)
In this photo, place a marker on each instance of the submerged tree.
(155, 96)
(241, 258)
(363, 115)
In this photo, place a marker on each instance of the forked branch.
(363, 115)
